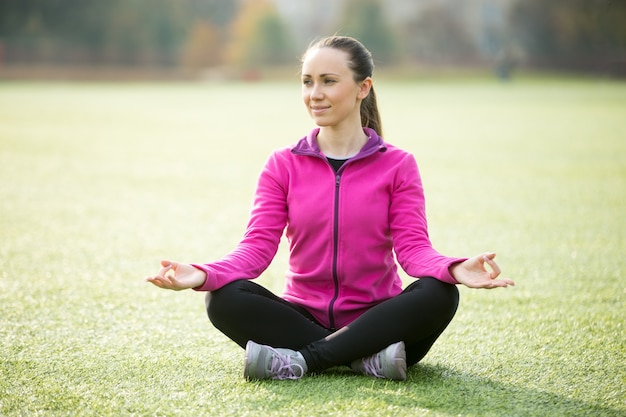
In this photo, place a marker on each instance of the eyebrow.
(332, 74)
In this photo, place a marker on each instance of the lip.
(319, 109)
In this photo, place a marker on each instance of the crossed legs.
(244, 310)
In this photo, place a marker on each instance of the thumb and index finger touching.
(495, 272)
(166, 267)
(160, 278)
(495, 269)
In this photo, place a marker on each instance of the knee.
(452, 292)
(219, 303)
(447, 295)
(452, 297)
(207, 301)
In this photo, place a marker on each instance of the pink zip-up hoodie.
(343, 229)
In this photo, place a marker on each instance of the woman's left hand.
(473, 273)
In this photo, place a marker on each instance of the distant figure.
(506, 62)
(350, 204)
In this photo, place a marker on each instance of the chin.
(321, 122)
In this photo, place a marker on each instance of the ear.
(364, 88)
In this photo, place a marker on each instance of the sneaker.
(265, 362)
(389, 363)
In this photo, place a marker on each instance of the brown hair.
(362, 65)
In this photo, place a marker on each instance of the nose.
(316, 92)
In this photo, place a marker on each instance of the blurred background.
(255, 39)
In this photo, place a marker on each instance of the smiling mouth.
(317, 110)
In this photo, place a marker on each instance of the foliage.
(437, 36)
(579, 33)
(203, 47)
(259, 37)
(367, 21)
(117, 32)
(103, 180)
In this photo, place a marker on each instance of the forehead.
(324, 61)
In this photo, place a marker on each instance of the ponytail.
(370, 116)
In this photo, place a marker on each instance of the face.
(329, 91)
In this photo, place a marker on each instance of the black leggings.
(244, 310)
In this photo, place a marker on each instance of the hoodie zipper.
(331, 305)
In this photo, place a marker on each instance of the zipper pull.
(337, 179)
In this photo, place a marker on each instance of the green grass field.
(101, 181)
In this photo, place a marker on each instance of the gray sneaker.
(389, 363)
(265, 362)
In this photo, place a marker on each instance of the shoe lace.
(372, 366)
(282, 368)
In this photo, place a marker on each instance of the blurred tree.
(205, 44)
(436, 36)
(272, 44)
(203, 47)
(56, 30)
(117, 32)
(145, 32)
(219, 13)
(366, 20)
(259, 37)
(582, 34)
(585, 34)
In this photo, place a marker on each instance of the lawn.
(102, 180)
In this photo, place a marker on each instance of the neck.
(341, 143)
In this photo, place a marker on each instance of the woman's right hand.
(176, 276)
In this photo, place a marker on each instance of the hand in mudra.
(176, 276)
(474, 274)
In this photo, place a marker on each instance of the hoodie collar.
(308, 144)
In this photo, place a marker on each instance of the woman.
(347, 201)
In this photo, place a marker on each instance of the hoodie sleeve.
(409, 227)
(259, 245)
